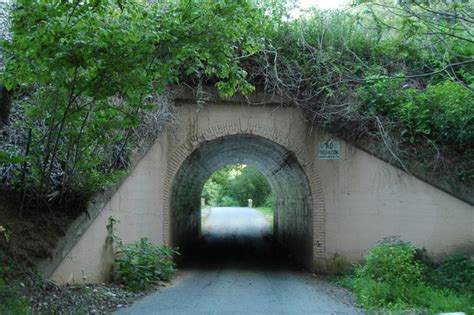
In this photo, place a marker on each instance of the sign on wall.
(330, 150)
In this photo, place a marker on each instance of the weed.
(393, 279)
(142, 264)
(10, 300)
(456, 272)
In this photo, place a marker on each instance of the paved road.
(238, 270)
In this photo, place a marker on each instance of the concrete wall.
(349, 205)
(368, 199)
(137, 204)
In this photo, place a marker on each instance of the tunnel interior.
(292, 202)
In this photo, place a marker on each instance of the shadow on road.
(236, 268)
(237, 238)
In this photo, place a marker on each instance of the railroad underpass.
(292, 195)
(331, 206)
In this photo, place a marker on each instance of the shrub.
(268, 202)
(392, 279)
(227, 201)
(142, 264)
(456, 272)
(393, 263)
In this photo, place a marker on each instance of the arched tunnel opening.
(292, 201)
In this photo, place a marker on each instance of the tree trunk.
(5, 103)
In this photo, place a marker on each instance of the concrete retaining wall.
(327, 207)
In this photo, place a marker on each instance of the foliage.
(6, 234)
(86, 75)
(439, 111)
(234, 185)
(142, 264)
(89, 77)
(10, 300)
(456, 273)
(391, 269)
(268, 202)
(392, 279)
(226, 201)
(268, 214)
(399, 73)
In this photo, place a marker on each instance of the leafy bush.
(456, 272)
(227, 201)
(390, 270)
(268, 202)
(142, 264)
(439, 111)
(392, 279)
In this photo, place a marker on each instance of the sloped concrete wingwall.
(348, 205)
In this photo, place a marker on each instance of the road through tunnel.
(292, 201)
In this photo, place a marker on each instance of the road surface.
(238, 270)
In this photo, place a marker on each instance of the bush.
(142, 264)
(392, 279)
(456, 272)
(268, 202)
(227, 201)
(392, 262)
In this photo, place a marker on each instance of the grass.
(268, 214)
(10, 300)
(204, 216)
(395, 279)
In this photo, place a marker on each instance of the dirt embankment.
(31, 237)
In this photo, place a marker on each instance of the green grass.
(394, 279)
(10, 300)
(268, 214)
(204, 217)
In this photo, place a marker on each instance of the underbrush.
(11, 302)
(142, 264)
(395, 278)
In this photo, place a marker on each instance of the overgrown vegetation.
(232, 186)
(394, 73)
(11, 302)
(394, 278)
(84, 84)
(142, 264)
(88, 80)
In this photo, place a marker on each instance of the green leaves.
(393, 279)
(442, 111)
(234, 185)
(142, 264)
(89, 68)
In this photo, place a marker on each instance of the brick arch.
(265, 131)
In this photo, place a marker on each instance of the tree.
(90, 71)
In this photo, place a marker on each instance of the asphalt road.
(237, 269)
